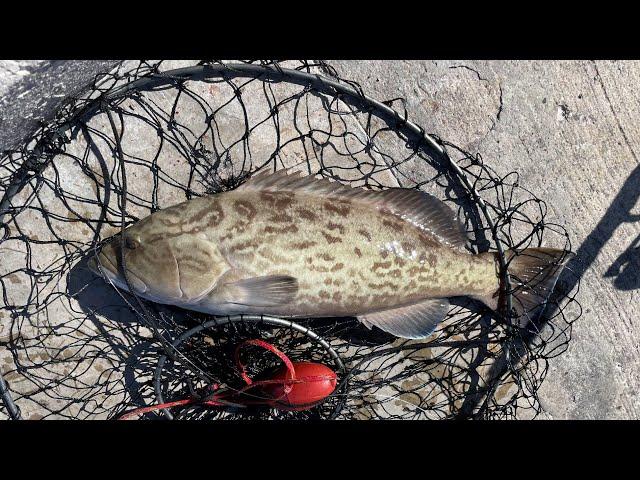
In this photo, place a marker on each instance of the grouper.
(290, 245)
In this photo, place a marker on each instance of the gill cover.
(175, 270)
(199, 265)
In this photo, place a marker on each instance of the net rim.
(48, 146)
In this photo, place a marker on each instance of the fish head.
(150, 264)
(163, 263)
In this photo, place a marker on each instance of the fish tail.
(533, 274)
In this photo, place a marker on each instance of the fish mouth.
(102, 266)
(92, 264)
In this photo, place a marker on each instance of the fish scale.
(348, 259)
(287, 245)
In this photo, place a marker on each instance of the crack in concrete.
(525, 146)
(466, 67)
(501, 103)
(494, 122)
(564, 111)
(613, 111)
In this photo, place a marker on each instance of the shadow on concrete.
(94, 294)
(132, 353)
(35, 98)
(625, 270)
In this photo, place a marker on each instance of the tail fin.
(533, 274)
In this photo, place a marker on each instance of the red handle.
(272, 349)
(217, 400)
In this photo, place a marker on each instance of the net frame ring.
(53, 135)
(329, 85)
(339, 365)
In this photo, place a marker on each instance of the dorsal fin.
(421, 209)
(428, 213)
(288, 180)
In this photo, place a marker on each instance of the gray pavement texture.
(568, 129)
(31, 90)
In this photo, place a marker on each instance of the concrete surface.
(570, 129)
(31, 90)
(567, 127)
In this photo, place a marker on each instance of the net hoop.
(52, 138)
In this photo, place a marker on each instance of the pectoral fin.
(267, 291)
(414, 321)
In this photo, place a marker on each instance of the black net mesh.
(151, 134)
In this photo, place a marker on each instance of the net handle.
(256, 319)
(267, 346)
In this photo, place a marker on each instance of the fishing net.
(151, 134)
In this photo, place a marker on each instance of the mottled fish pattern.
(293, 246)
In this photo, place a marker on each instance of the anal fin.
(413, 321)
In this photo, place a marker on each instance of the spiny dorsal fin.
(421, 209)
(413, 321)
(288, 180)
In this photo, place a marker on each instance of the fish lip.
(92, 265)
(100, 265)
(104, 267)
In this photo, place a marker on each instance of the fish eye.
(131, 243)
